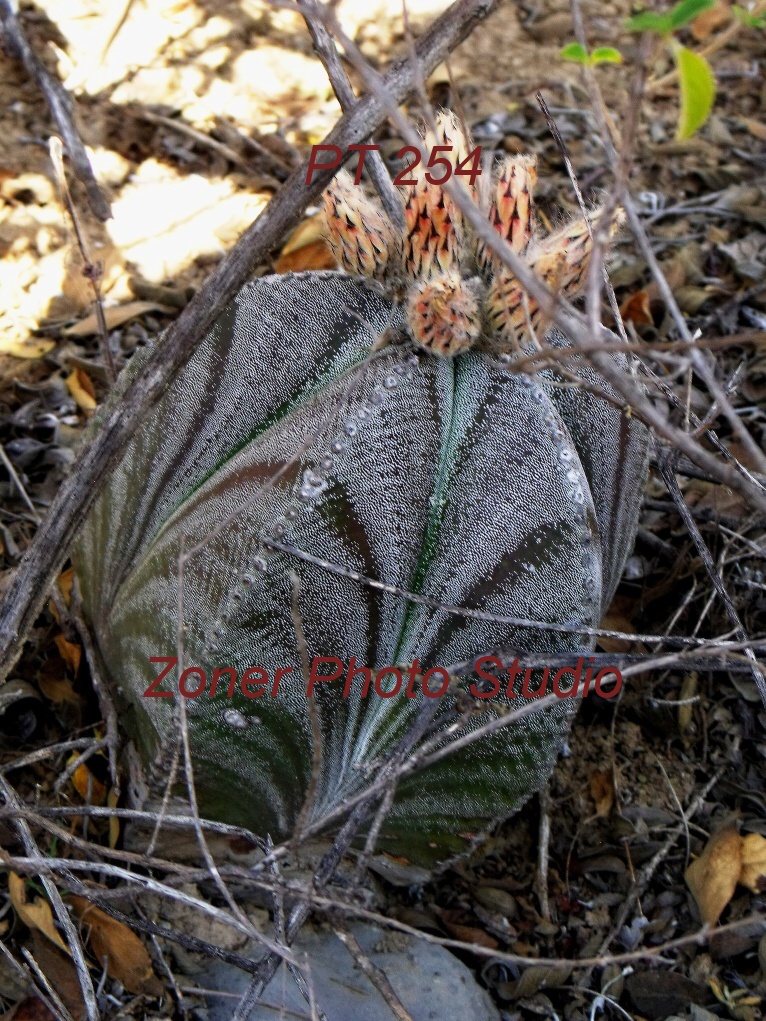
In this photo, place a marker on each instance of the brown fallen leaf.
(713, 18)
(35, 914)
(317, 255)
(602, 791)
(90, 789)
(753, 874)
(306, 248)
(452, 921)
(116, 315)
(70, 652)
(113, 942)
(61, 973)
(713, 877)
(636, 309)
(66, 581)
(756, 129)
(58, 690)
(80, 387)
(28, 347)
(30, 1009)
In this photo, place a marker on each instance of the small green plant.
(752, 20)
(695, 74)
(603, 55)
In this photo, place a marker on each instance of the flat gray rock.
(432, 984)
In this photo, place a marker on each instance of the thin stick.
(18, 483)
(375, 974)
(108, 711)
(61, 106)
(543, 845)
(59, 908)
(671, 483)
(324, 48)
(91, 270)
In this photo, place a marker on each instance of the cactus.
(450, 477)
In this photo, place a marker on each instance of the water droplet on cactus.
(234, 718)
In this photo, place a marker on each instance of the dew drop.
(278, 530)
(234, 718)
(291, 513)
(327, 463)
(338, 445)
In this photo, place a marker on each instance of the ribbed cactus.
(453, 478)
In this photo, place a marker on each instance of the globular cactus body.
(453, 478)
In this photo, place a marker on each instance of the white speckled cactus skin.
(454, 478)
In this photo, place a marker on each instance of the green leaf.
(697, 91)
(751, 20)
(688, 10)
(606, 55)
(650, 22)
(575, 52)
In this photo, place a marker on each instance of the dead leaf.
(54, 683)
(61, 973)
(306, 248)
(618, 618)
(90, 789)
(70, 652)
(126, 957)
(81, 388)
(317, 255)
(29, 347)
(114, 821)
(713, 18)
(636, 309)
(30, 1009)
(753, 874)
(602, 791)
(656, 994)
(713, 877)
(115, 316)
(35, 914)
(756, 129)
(58, 690)
(467, 933)
(66, 581)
